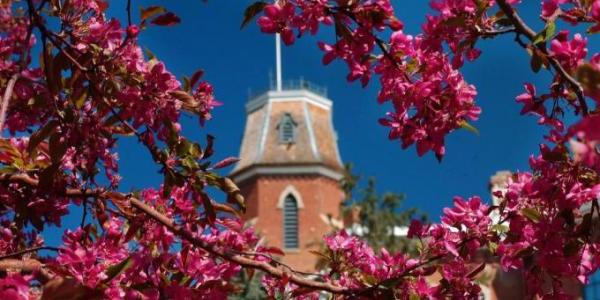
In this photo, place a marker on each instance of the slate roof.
(315, 138)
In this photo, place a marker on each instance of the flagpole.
(278, 61)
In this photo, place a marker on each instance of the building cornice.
(274, 170)
(288, 95)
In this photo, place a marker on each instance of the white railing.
(292, 84)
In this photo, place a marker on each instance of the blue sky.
(236, 61)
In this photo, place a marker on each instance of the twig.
(84, 213)
(128, 12)
(13, 80)
(496, 32)
(277, 263)
(25, 251)
(188, 236)
(6, 99)
(522, 28)
(26, 265)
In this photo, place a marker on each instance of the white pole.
(278, 61)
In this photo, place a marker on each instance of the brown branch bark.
(522, 28)
(6, 99)
(26, 265)
(34, 249)
(188, 236)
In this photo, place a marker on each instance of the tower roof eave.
(248, 172)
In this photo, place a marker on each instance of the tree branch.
(522, 28)
(188, 236)
(6, 99)
(25, 265)
(34, 249)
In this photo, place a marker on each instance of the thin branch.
(25, 251)
(188, 236)
(13, 80)
(522, 28)
(84, 213)
(492, 33)
(278, 263)
(6, 99)
(26, 265)
(128, 12)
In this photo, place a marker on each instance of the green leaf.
(184, 148)
(114, 270)
(251, 12)
(500, 228)
(189, 163)
(546, 34)
(465, 125)
(149, 54)
(531, 214)
(80, 99)
(493, 247)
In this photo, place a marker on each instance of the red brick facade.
(308, 167)
(318, 197)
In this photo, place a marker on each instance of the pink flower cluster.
(134, 263)
(93, 86)
(429, 96)
(573, 12)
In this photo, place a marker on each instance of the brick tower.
(289, 169)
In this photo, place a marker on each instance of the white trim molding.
(286, 170)
(287, 96)
(290, 189)
(311, 133)
(264, 132)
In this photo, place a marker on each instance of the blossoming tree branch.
(74, 81)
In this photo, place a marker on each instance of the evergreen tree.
(378, 215)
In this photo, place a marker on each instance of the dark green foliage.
(379, 213)
(249, 286)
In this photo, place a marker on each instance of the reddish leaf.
(274, 250)
(208, 152)
(301, 291)
(148, 12)
(166, 19)
(197, 75)
(68, 288)
(40, 135)
(232, 224)
(209, 210)
(476, 271)
(226, 162)
(251, 11)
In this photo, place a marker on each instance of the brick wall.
(318, 194)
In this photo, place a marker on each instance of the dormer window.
(287, 129)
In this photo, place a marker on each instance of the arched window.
(290, 223)
(287, 129)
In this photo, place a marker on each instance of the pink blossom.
(569, 53)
